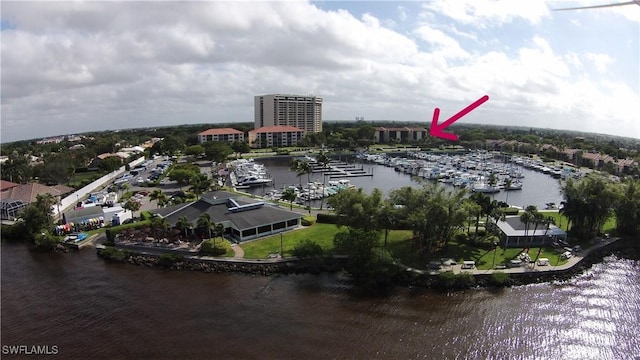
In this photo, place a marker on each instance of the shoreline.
(410, 277)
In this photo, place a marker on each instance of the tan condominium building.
(302, 112)
(275, 136)
(222, 135)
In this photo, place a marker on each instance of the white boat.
(254, 181)
(484, 188)
(516, 185)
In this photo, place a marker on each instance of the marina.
(518, 181)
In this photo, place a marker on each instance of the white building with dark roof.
(515, 233)
(243, 218)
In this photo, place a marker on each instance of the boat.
(253, 180)
(516, 185)
(484, 188)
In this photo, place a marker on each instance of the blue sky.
(72, 67)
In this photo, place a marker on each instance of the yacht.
(254, 181)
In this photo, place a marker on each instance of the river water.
(538, 188)
(90, 309)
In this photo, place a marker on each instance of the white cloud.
(79, 66)
(442, 43)
(600, 61)
(487, 13)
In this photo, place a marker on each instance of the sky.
(73, 67)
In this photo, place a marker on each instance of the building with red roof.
(221, 134)
(275, 136)
(6, 185)
(13, 199)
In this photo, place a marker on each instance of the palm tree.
(323, 160)
(497, 215)
(160, 224)
(303, 167)
(526, 218)
(183, 224)
(204, 221)
(158, 196)
(492, 181)
(290, 196)
(219, 229)
(507, 184)
(485, 203)
(547, 221)
(386, 218)
(200, 184)
(473, 210)
(538, 219)
(295, 165)
(132, 205)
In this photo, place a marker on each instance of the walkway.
(237, 251)
(527, 268)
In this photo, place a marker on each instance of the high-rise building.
(302, 112)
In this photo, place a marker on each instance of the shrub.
(114, 255)
(462, 238)
(511, 211)
(307, 249)
(168, 260)
(499, 278)
(214, 248)
(13, 232)
(449, 280)
(464, 280)
(446, 279)
(327, 218)
(306, 222)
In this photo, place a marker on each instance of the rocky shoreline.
(172, 262)
(295, 266)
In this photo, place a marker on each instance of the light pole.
(281, 248)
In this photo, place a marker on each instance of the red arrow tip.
(438, 130)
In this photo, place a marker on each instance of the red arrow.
(438, 130)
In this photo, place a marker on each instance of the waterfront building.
(275, 136)
(400, 134)
(302, 112)
(243, 218)
(14, 197)
(223, 135)
(515, 233)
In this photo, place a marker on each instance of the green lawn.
(561, 221)
(89, 176)
(320, 233)
(398, 243)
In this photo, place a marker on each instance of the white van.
(543, 262)
(468, 264)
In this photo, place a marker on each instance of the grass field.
(398, 243)
(89, 176)
(320, 233)
(562, 222)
